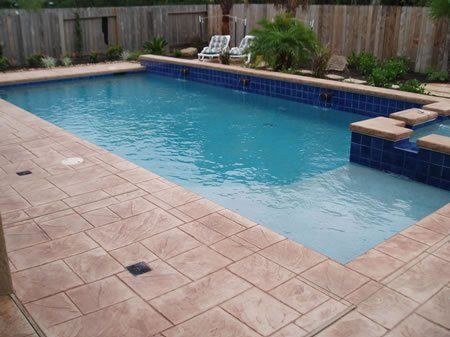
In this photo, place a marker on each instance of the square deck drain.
(23, 173)
(139, 268)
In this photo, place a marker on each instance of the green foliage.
(78, 35)
(48, 62)
(177, 53)
(363, 63)
(155, 46)
(225, 57)
(437, 76)
(35, 60)
(439, 8)
(319, 62)
(284, 43)
(66, 61)
(114, 53)
(4, 63)
(412, 86)
(389, 72)
(93, 57)
(134, 55)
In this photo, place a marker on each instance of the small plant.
(114, 53)
(388, 73)
(437, 76)
(93, 57)
(225, 57)
(412, 86)
(66, 61)
(4, 63)
(48, 62)
(156, 46)
(363, 63)
(35, 60)
(125, 55)
(319, 61)
(177, 53)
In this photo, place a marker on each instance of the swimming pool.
(439, 128)
(281, 163)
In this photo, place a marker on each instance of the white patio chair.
(242, 51)
(217, 45)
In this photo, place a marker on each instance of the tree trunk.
(225, 24)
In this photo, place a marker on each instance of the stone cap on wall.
(442, 108)
(434, 142)
(382, 127)
(414, 116)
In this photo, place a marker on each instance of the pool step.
(414, 117)
(442, 108)
(382, 127)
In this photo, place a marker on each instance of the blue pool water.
(280, 163)
(441, 128)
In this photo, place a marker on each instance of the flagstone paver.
(72, 230)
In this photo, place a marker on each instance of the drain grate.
(23, 173)
(139, 268)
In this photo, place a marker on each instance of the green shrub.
(319, 61)
(388, 73)
(48, 62)
(66, 61)
(437, 76)
(177, 53)
(114, 53)
(93, 57)
(155, 46)
(412, 86)
(225, 57)
(363, 63)
(4, 63)
(283, 43)
(35, 60)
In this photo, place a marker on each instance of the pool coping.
(381, 268)
(317, 82)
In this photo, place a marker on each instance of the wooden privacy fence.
(385, 31)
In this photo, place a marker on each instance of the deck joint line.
(329, 322)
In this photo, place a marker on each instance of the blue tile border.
(366, 105)
(402, 157)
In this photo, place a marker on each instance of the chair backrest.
(246, 41)
(219, 42)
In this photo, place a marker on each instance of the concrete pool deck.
(71, 230)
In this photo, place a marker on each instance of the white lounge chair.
(217, 45)
(242, 51)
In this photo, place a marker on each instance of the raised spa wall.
(383, 143)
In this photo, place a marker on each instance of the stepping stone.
(334, 77)
(337, 63)
(189, 52)
(414, 116)
(355, 81)
(395, 86)
(305, 72)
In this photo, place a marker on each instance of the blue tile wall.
(341, 100)
(402, 157)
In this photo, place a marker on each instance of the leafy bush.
(114, 53)
(134, 55)
(389, 72)
(4, 63)
(66, 61)
(93, 57)
(412, 86)
(363, 63)
(439, 8)
(48, 62)
(437, 76)
(225, 57)
(284, 43)
(35, 60)
(177, 53)
(319, 62)
(155, 46)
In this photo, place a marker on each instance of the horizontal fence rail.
(385, 31)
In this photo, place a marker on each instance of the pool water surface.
(280, 163)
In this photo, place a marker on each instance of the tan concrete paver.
(93, 265)
(171, 228)
(13, 323)
(196, 297)
(100, 294)
(260, 311)
(260, 271)
(53, 310)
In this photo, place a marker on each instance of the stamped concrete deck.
(71, 230)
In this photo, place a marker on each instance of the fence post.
(5, 273)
